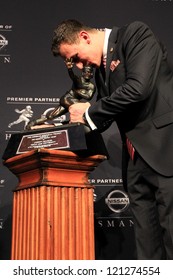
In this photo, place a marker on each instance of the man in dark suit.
(136, 93)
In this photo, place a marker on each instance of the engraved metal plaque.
(50, 139)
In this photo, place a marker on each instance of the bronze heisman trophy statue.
(82, 88)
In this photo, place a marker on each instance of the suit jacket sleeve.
(140, 55)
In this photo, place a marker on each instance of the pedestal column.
(53, 216)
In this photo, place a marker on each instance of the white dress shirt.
(105, 46)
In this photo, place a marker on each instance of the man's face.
(82, 53)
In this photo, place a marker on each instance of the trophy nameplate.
(57, 139)
(73, 137)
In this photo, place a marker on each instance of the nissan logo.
(117, 201)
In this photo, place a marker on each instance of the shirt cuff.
(90, 122)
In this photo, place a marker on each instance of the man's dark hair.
(67, 32)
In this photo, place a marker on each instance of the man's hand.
(77, 110)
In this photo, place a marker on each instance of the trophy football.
(75, 137)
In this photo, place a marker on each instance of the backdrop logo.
(24, 116)
(117, 201)
(3, 42)
(5, 30)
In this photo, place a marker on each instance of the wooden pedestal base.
(53, 215)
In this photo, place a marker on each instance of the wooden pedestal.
(53, 206)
